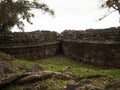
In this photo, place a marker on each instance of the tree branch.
(106, 15)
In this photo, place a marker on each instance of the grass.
(23, 62)
(60, 62)
(51, 84)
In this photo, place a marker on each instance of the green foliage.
(13, 12)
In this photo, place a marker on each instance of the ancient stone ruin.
(100, 47)
(30, 45)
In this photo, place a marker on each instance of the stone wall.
(28, 37)
(102, 54)
(110, 34)
(30, 45)
(31, 52)
(98, 47)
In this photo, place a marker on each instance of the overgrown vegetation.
(13, 12)
(66, 65)
(97, 76)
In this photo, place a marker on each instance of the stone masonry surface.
(99, 47)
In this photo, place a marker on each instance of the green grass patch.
(60, 62)
(24, 62)
(51, 84)
(24, 65)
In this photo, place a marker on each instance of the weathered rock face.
(30, 45)
(104, 54)
(99, 47)
(110, 34)
(5, 57)
(32, 51)
(35, 37)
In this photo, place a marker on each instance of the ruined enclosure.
(99, 47)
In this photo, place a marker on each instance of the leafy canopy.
(111, 4)
(13, 12)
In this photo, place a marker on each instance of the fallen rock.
(81, 85)
(11, 79)
(30, 77)
(112, 86)
(34, 68)
(6, 68)
(71, 85)
(5, 57)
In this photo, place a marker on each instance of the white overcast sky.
(72, 14)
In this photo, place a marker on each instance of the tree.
(13, 12)
(111, 4)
